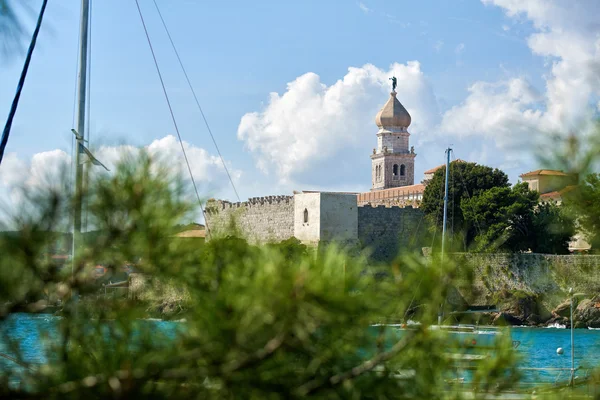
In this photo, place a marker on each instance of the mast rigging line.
(162, 83)
(15, 103)
(196, 99)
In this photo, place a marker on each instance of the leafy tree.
(503, 217)
(584, 203)
(554, 228)
(466, 180)
(512, 219)
(271, 322)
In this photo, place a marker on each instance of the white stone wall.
(331, 217)
(307, 232)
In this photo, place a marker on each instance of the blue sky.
(486, 76)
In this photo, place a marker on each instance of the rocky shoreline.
(528, 311)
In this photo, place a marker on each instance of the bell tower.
(392, 162)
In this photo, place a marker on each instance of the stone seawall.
(533, 288)
(541, 274)
(258, 220)
(385, 231)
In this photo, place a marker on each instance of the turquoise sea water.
(537, 345)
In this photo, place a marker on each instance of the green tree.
(512, 219)
(554, 227)
(466, 180)
(503, 217)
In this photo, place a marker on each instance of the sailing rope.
(196, 99)
(15, 103)
(162, 83)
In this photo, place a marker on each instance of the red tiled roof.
(545, 172)
(557, 193)
(550, 195)
(392, 193)
(432, 170)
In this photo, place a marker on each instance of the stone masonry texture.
(259, 220)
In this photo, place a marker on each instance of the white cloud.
(313, 127)
(568, 36)
(459, 49)
(438, 46)
(505, 28)
(504, 111)
(50, 168)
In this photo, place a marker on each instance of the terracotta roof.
(432, 170)
(557, 193)
(192, 233)
(550, 195)
(392, 193)
(545, 172)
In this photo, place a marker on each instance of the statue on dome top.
(394, 83)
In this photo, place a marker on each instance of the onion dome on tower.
(393, 114)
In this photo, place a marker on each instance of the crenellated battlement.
(386, 206)
(214, 205)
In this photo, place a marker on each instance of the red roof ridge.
(432, 170)
(538, 172)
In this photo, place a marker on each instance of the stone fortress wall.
(259, 220)
(388, 230)
(330, 217)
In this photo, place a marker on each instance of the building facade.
(392, 161)
(383, 219)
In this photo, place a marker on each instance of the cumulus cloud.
(49, 168)
(300, 133)
(567, 34)
(506, 111)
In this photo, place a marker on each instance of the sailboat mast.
(81, 109)
(448, 150)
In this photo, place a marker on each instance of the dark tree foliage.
(584, 204)
(466, 180)
(511, 219)
(554, 228)
(503, 217)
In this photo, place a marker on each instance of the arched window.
(395, 170)
(305, 216)
(402, 170)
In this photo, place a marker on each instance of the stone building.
(383, 219)
(392, 162)
(551, 184)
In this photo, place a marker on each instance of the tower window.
(305, 216)
(402, 170)
(395, 170)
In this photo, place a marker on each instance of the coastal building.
(551, 184)
(383, 219)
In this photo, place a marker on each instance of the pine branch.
(354, 372)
